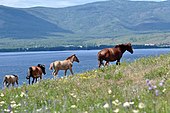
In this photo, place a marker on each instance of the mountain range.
(94, 23)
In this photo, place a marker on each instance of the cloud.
(46, 3)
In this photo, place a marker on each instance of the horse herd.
(106, 54)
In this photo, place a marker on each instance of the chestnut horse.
(36, 72)
(10, 79)
(113, 54)
(63, 65)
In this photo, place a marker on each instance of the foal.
(10, 79)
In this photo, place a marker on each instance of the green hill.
(100, 23)
(140, 86)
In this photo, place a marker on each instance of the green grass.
(115, 88)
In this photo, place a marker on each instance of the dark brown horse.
(113, 54)
(36, 72)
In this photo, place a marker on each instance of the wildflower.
(162, 82)
(22, 94)
(13, 102)
(13, 105)
(116, 102)
(135, 111)
(131, 103)
(150, 88)
(154, 87)
(110, 91)
(73, 106)
(38, 110)
(6, 110)
(1, 103)
(106, 105)
(141, 105)
(126, 104)
(2, 95)
(156, 92)
(116, 110)
(73, 95)
(163, 90)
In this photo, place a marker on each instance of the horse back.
(65, 64)
(36, 71)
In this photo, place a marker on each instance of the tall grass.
(127, 88)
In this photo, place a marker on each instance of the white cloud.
(46, 3)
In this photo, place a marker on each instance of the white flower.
(126, 104)
(1, 103)
(2, 95)
(38, 110)
(131, 103)
(135, 111)
(141, 105)
(73, 106)
(13, 102)
(106, 105)
(14, 105)
(116, 102)
(110, 91)
(7, 110)
(116, 110)
(22, 94)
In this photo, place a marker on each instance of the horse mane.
(15, 75)
(70, 57)
(121, 45)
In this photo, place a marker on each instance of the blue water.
(19, 62)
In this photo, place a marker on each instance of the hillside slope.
(140, 86)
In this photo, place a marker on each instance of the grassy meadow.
(142, 86)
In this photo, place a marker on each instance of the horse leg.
(100, 62)
(29, 81)
(65, 72)
(33, 80)
(56, 72)
(8, 84)
(118, 62)
(106, 63)
(13, 84)
(17, 82)
(36, 80)
(71, 70)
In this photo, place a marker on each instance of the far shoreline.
(62, 48)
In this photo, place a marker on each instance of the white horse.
(63, 65)
(10, 79)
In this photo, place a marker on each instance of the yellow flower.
(13, 105)
(141, 105)
(163, 90)
(13, 102)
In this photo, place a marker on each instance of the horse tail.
(5, 81)
(51, 66)
(29, 73)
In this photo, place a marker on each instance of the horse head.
(75, 58)
(42, 66)
(129, 48)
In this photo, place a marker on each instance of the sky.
(51, 3)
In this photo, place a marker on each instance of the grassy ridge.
(112, 89)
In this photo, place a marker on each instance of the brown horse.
(63, 65)
(36, 72)
(113, 54)
(10, 79)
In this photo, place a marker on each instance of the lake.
(19, 62)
